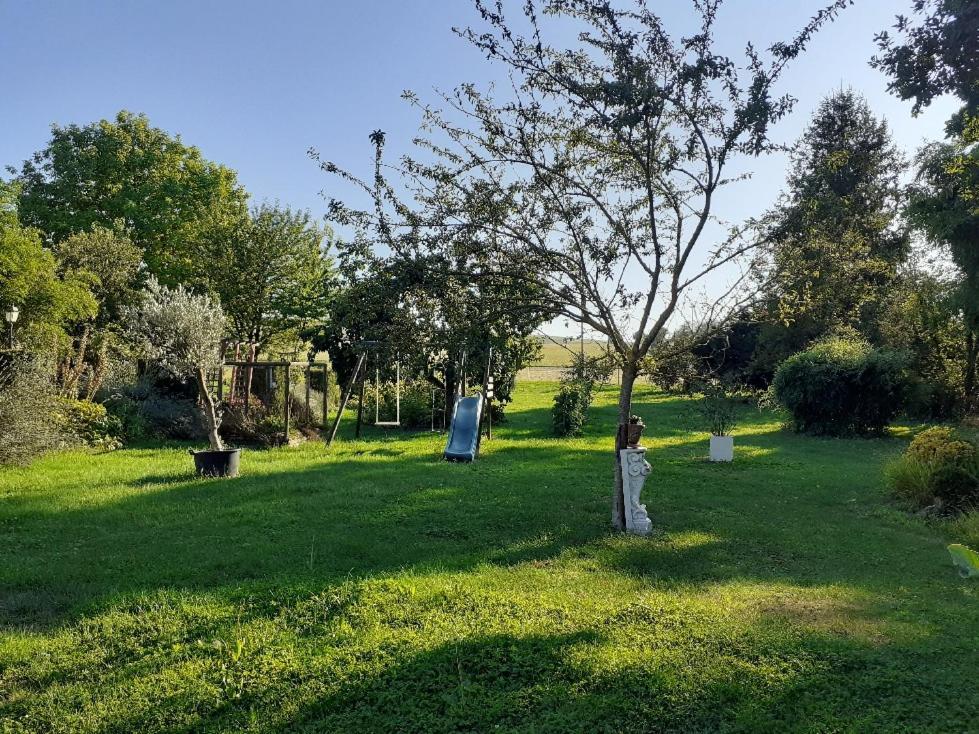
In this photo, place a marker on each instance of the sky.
(254, 84)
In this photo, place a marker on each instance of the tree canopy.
(126, 170)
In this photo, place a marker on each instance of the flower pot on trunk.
(634, 434)
(722, 448)
(222, 463)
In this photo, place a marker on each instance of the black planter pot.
(223, 463)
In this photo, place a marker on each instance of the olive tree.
(182, 332)
(595, 177)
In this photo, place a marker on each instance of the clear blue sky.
(255, 84)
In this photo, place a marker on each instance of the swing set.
(360, 373)
(359, 377)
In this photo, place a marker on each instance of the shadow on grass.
(364, 509)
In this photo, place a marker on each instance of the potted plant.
(634, 431)
(718, 410)
(182, 333)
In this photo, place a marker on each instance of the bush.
(717, 409)
(154, 407)
(570, 411)
(841, 387)
(30, 421)
(416, 404)
(939, 469)
(91, 423)
(263, 425)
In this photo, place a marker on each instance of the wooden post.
(326, 397)
(220, 382)
(288, 400)
(360, 405)
(309, 410)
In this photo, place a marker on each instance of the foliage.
(717, 408)
(934, 56)
(262, 425)
(177, 329)
(603, 161)
(416, 404)
(269, 270)
(155, 406)
(836, 241)
(841, 386)
(111, 264)
(110, 261)
(943, 207)
(940, 469)
(921, 319)
(49, 303)
(570, 411)
(275, 608)
(91, 423)
(182, 333)
(30, 421)
(128, 171)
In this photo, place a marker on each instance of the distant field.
(557, 355)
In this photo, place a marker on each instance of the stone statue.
(635, 468)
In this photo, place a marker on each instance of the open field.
(371, 587)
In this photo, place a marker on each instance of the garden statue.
(635, 469)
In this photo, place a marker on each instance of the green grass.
(556, 351)
(371, 587)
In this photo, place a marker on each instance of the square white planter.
(722, 448)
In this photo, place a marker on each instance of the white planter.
(722, 448)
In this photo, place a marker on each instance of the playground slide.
(464, 431)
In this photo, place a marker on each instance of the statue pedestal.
(635, 469)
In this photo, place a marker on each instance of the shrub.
(91, 423)
(263, 425)
(570, 411)
(717, 409)
(416, 404)
(153, 407)
(939, 469)
(30, 422)
(840, 387)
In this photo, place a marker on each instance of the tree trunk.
(625, 410)
(210, 412)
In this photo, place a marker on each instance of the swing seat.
(388, 424)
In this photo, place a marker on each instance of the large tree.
(837, 239)
(596, 177)
(936, 52)
(49, 302)
(270, 271)
(112, 265)
(127, 170)
(944, 208)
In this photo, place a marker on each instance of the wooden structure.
(241, 385)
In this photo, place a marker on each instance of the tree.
(942, 207)
(938, 55)
(837, 242)
(127, 170)
(29, 279)
(183, 333)
(595, 181)
(270, 271)
(111, 264)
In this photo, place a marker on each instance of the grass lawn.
(371, 587)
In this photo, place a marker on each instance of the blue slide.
(464, 431)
